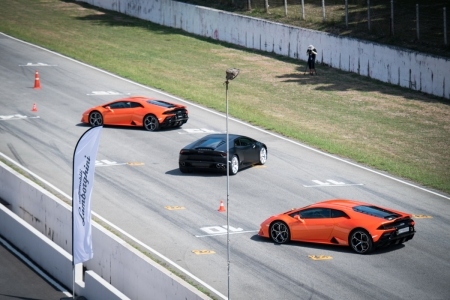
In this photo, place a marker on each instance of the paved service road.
(137, 178)
(19, 280)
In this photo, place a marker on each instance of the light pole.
(231, 74)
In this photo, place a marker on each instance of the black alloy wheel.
(361, 241)
(279, 232)
(95, 119)
(151, 123)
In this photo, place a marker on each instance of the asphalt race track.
(139, 189)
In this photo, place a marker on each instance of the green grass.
(393, 129)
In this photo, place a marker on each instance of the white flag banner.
(83, 179)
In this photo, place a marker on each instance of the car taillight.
(183, 151)
(223, 154)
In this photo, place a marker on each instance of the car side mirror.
(300, 219)
(109, 108)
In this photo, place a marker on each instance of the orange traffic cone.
(222, 208)
(37, 83)
(34, 107)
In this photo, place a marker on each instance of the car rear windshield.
(212, 143)
(161, 103)
(376, 212)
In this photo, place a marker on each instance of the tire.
(95, 119)
(234, 165)
(279, 232)
(360, 241)
(151, 123)
(262, 156)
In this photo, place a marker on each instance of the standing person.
(311, 52)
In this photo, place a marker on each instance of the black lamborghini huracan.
(210, 152)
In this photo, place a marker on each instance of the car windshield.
(210, 143)
(161, 103)
(376, 212)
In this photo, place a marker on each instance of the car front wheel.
(234, 165)
(151, 123)
(361, 241)
(95, 119)
(262, 156)
(279, 232)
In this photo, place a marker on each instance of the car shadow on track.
(140, 128)
(206, 172)
(332, 248)
(197, 173)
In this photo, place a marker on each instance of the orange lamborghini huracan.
(361, 225)
(150, 113)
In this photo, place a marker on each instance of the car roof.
(221, 136)
(136, 99)
(342, 203)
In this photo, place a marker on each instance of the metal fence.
(413, 21)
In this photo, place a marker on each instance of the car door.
(246, 149)
(119, 113)
(137, 112)
(316, 225)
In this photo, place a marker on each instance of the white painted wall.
(36, 213)
(418, 71)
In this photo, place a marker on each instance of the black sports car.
(210, 152)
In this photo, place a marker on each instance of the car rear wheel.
(361, 241)
(279, 232)
(151, 123)
(262, 156)
(234, 165)
(95, 119)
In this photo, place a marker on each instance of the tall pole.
(445, 26)
(346, 13)
(228, 192)
(303, 9)
(392, 17)
(323, 10)
(231, 74)
(417, 21)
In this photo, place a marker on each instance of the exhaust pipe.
(183, 163)
(220, 166)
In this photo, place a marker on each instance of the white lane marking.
(37, 65)
(107, 93)
(331, 182)
(121, 231)
(238, 121)
(199, 236)
(219, 229)
(107, 163)
(196, 130)
(16, 117)
(35, 268)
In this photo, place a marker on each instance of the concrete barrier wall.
(418, 71)
(49, 256)
(115, 262)
(52, 258)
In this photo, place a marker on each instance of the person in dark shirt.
(311, 52)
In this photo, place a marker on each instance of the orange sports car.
(361, 225)
(150, 113)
